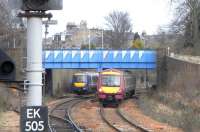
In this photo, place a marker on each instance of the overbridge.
(99, 59)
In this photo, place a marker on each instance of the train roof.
(111, 72)
(93, 73)
(86, 73)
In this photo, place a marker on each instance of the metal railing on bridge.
(99, 59)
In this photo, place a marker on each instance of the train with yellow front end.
(115, 85)
(84, 82)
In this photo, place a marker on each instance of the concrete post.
(34, 61)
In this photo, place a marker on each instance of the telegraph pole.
(47, 23)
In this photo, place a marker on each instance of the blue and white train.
(84, 82)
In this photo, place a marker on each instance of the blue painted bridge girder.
(99, 59)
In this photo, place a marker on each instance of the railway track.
(120, 123)
(133, 123)
(60, 119)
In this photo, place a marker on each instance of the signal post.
(34, 61)
(34, 116)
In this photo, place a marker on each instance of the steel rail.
(135, 124)
(102, 114)
(65, 120)
(68, 115)
(68, 110)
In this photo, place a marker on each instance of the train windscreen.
(80, 78)
(111, 80)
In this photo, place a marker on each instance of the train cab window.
(94, 79)
(80, 78)
(111, 80)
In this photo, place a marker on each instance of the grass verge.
(170, 111)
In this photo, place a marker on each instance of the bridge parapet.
(186, 58)
(74, 59)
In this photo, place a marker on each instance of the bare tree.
(10, 33)
(6, 24)
(120, 27)
(187, 22)
(5, 17)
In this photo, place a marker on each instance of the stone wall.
(18, 56)
(182, 81)
(161, 67)
(61, 80)
(10, 98)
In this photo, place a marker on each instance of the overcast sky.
(146, 15)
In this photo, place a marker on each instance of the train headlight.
(120, 90)
(100, 90)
